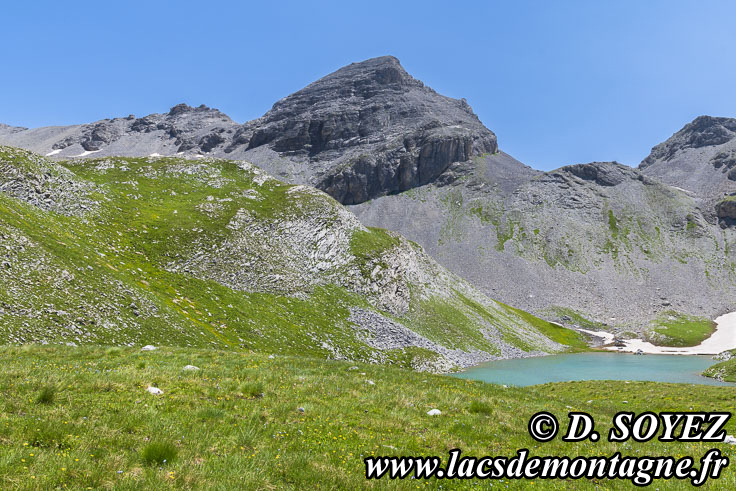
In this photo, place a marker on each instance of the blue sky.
(559, 82)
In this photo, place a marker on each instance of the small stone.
(149, 347)
(190, 368)
(300, 409)
(155, 391)
(434, 412)
(730, 439)
(370, 382)
(271, 357)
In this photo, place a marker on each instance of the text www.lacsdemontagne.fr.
(641, 471)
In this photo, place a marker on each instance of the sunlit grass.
(311, 427)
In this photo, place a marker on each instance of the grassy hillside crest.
(213, 253)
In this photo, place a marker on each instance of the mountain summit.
(370, 129)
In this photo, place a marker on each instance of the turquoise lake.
(594, 366)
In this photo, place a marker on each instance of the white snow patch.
(607, 336)
(149, 347)
(53, 152)
(86, 152)
(190, 368)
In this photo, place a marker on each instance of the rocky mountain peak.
(703, 131)
(182, 109)
(700, 158)
(367, 130)
(362, 78)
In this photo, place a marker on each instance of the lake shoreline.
(595, 365)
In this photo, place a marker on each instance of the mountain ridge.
(408, 159)
(365, 130)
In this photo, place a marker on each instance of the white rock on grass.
(155, 391)
(149, 347)
(434, 412)
(730, 439)
(190, 368)
(271, 357)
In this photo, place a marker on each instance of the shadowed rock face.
(370, 129)
(726, 211)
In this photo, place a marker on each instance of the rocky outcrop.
(603, 173)
(726, 161)
(184, 129)
(35, 181)
(7, 130)
(726, 211)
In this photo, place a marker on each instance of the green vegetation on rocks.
(726, 369)
(680, 330)
(372, 242)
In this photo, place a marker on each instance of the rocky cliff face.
(726, 211)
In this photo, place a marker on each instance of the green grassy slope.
(81, 417)
(673, 329)
(215, 254)
(725, 370)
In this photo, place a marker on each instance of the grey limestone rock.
(369, 129)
